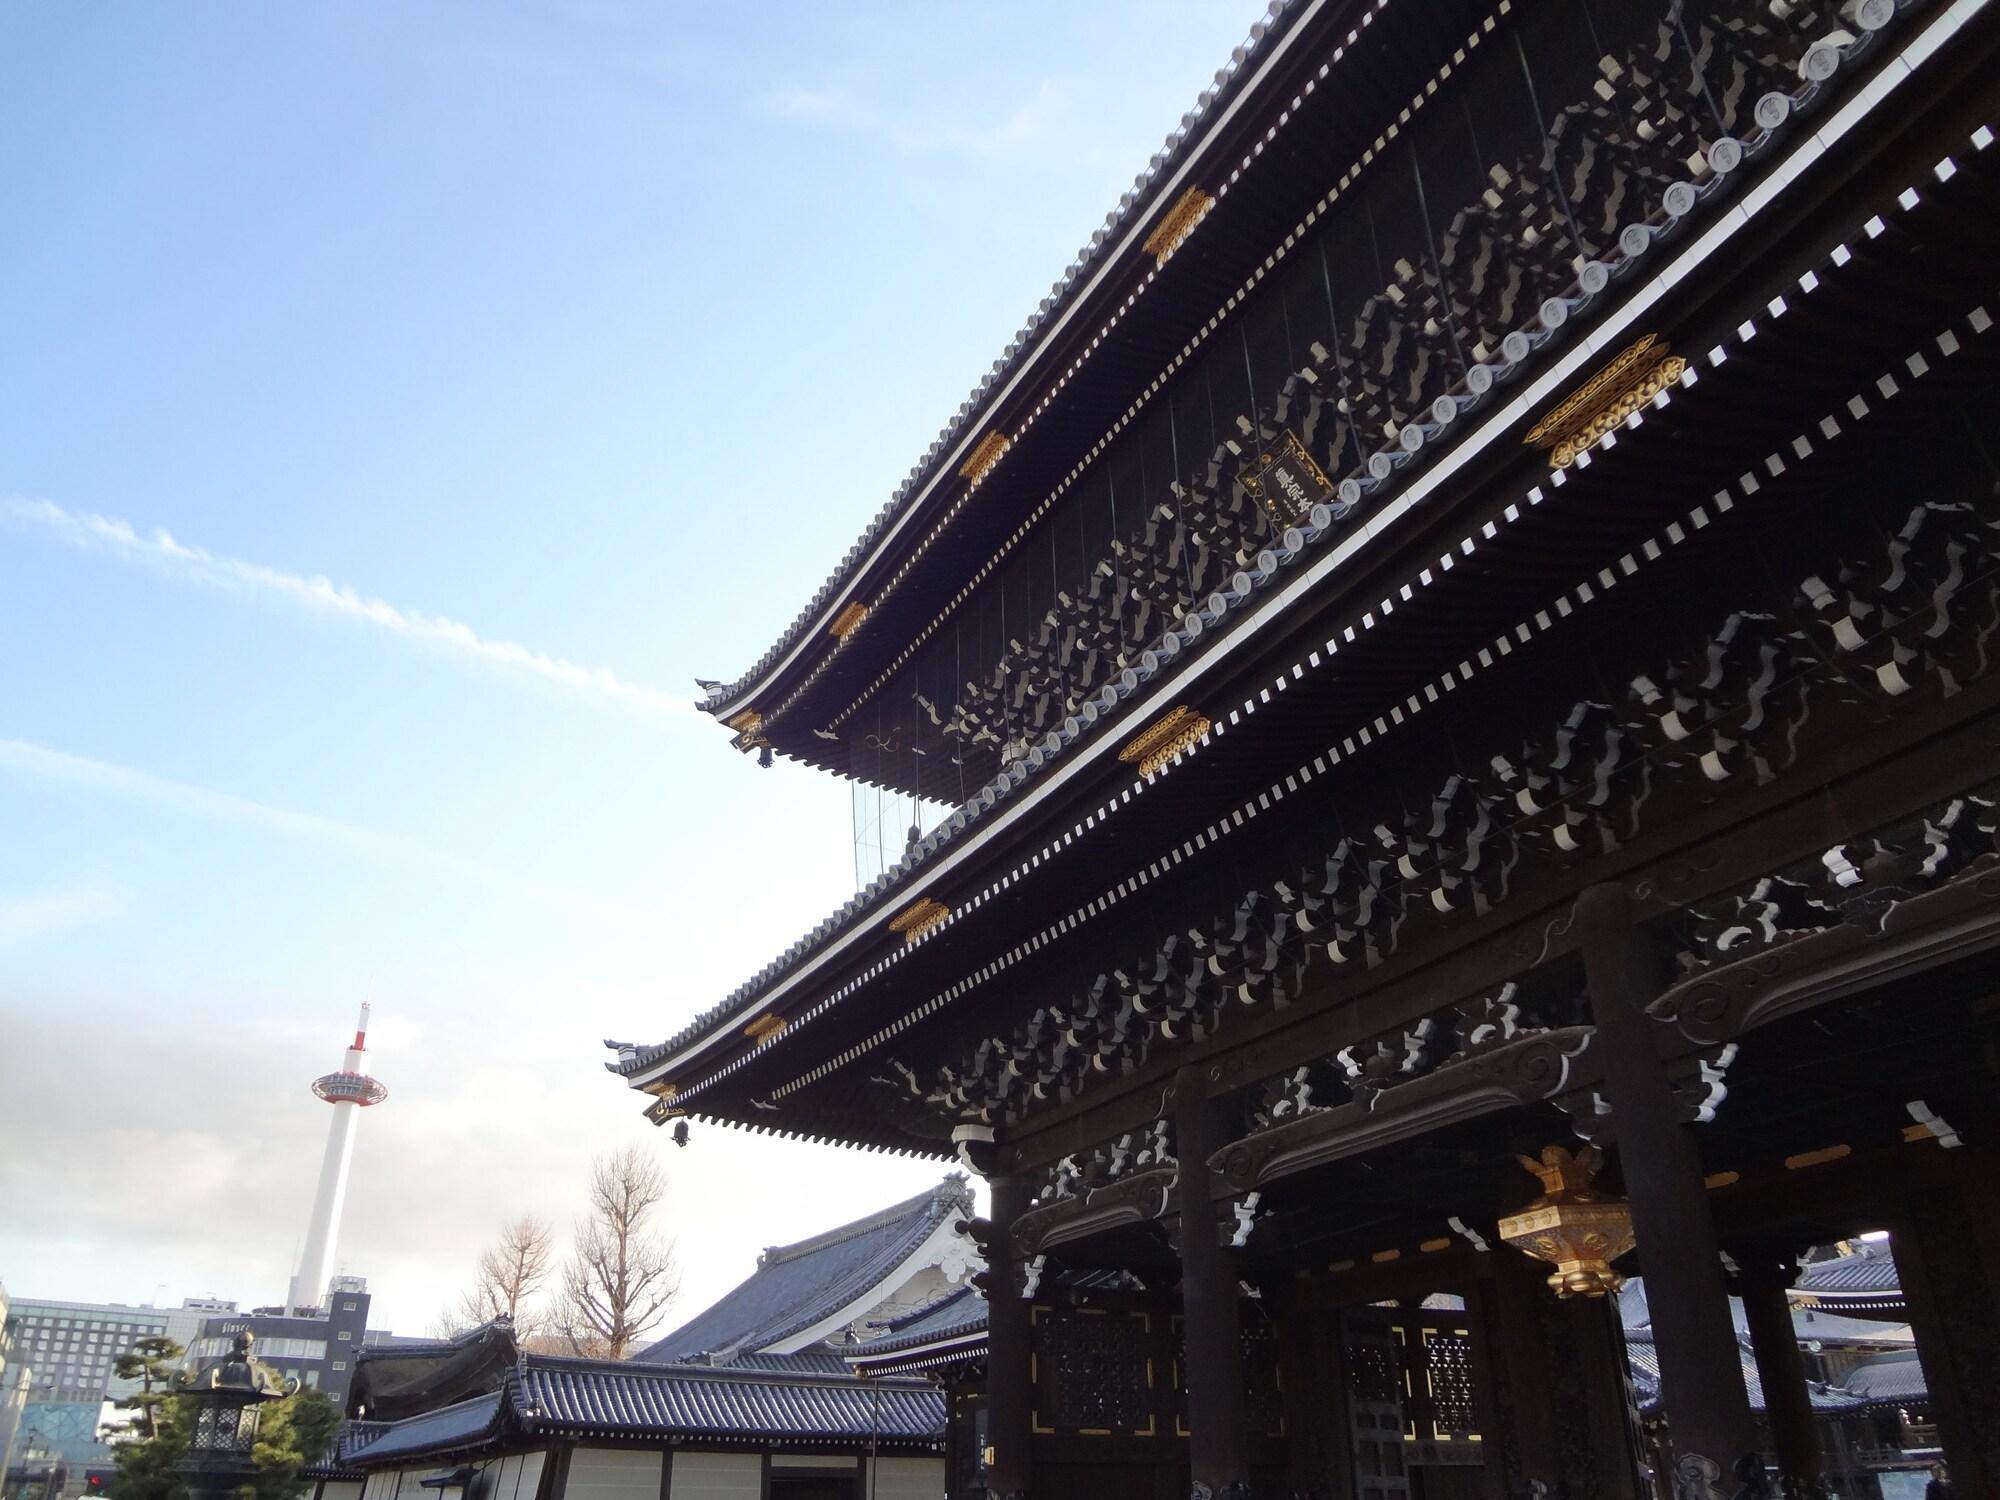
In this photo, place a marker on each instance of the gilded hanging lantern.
(1572, 1226)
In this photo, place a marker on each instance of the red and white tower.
(349, 1091)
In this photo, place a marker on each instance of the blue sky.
(399, 406)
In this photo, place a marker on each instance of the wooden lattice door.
(1375, 1417)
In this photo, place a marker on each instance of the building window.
(347, 1306)
(340, 1364)
(346, 1335)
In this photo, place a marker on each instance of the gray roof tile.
(628, 1399)
(796, 1286)
(1069, 283)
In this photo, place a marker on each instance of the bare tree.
(511, 1270)
(620, 1277)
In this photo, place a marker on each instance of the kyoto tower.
(349, 1091)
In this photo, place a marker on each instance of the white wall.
(716, 1476)
(514, 1477)
(613, 1474)
(909, 1479)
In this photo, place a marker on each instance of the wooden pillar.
(1218, 1442)
(1761, 1281)
(1701, 1372)
(1310, 1381)
(1009, 1353)
(1561, 1393)
(1947, 1248)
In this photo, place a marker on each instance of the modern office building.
(319, 1350)
(68, 1351)
(13, 1388)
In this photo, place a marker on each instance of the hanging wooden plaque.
(1287, 483)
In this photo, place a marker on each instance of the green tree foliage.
(291, 1433)
(146, 1464)
(150, 1361)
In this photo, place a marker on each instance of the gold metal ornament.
(1177, 224)
(914, 921)
(1164, 739)
(1638, 374)
(1572, 1226)
(987, 452)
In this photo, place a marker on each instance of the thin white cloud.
(25, 758)
(322, 595)
(29, 919)
(1047, 124)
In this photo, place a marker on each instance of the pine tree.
(151, 1361)
(291, 1433)
(146, 1465)
(294, 1432)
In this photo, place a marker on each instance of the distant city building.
(13, 1404)
(68, 1351)
(13, 1388)
(184, 1323)
(319, 1349)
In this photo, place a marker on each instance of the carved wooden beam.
(1871, 778)
(1139, 1199)
(1534, 1067)
(1960, 918)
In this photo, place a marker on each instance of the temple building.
(1456, 662)
(751, 1399)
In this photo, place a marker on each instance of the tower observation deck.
(349, 1090)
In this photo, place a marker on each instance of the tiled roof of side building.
(1896, 1379)
(1869, 1270)
(628, 1400)
(1153, 188)
(963, 1311)
(1645, 1364)
(465, 1424)
(962, 1314)
(395, 1381)
(796, 1286)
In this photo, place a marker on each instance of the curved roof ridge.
(952, 1190)
(797, 1286)
(726, 1374)
(1023, 345)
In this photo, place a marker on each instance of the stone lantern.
(227, 1402)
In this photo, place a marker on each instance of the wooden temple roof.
(1314, 663)
(797, 1286)
(528, 1397)
(1034, 355)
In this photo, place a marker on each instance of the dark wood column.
(1947, 1247)
(1701, 1373)
(1561, 1393)
(1218, 1442)
(1009, 1347)
(1761, 1279)
(1309, 1380)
